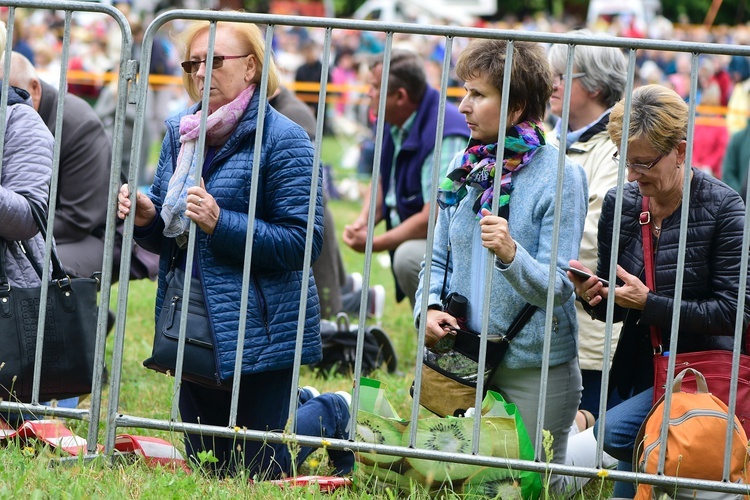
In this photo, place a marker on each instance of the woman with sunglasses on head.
(653, 199)
(520, 237)
(219, 207)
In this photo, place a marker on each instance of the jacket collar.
(595, 128)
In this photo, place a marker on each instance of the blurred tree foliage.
(731, 12)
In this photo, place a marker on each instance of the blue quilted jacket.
(286, 163)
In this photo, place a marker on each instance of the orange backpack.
(695, 436)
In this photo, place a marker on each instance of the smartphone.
(585, 275)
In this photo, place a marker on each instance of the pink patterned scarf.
(219, 127)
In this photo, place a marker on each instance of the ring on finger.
(586, 297)
(200, 200)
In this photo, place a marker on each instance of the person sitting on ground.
(411, 114)
(655, 160)
(85, 156)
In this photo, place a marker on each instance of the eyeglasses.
(194, 66)
(638, 167)
(558, 78)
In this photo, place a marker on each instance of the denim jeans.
(263, 405)
(620, 430)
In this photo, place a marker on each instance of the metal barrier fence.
(128, 71)
(133, 89)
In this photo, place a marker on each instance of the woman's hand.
(144, 207)
(438, 324)
(633, 293)
(496, 236)
(590, 290)
(202, 208)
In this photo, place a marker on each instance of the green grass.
(29, 471)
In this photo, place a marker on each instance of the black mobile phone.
(585, 275)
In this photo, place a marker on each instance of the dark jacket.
(85, 157)
(293, 108)
(286, 162)
(419, 144)
(711, 277)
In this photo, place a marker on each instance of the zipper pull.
(172, 311)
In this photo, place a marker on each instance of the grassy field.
(31, 472)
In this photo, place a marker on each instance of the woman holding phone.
(656, 168)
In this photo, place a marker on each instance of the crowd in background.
(96, 42)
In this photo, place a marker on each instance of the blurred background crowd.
(724, 81)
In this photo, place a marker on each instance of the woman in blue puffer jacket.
(219, 207)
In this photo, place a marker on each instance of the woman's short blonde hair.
(657, 114)
(252, 41)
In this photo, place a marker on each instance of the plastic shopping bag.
(503, 434)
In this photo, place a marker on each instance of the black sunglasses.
(194, 66)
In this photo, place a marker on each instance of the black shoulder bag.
(69, 331)
(199, 361)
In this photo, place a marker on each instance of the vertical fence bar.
(138, 79)
(490, 256)
(192, 234)
(417, 391)
(310, 231)
(675, 327)
(610, 314)
(51, 213)
(126, 74)
(374, 187)
(250, 231)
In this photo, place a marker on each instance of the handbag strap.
(467, 343)
(523, 317)
(648, 263)
(58, 271)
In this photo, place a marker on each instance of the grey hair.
(605, 68)
(22, 72)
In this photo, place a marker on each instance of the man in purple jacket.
(411, 115)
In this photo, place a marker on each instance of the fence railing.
(132, 77)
